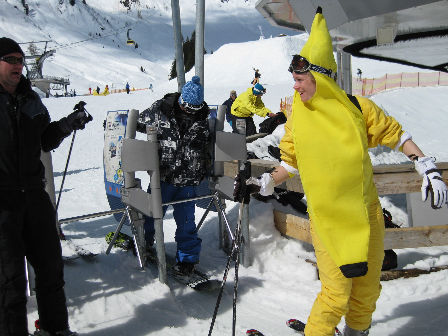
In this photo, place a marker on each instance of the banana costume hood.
(331, 149)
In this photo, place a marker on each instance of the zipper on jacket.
(16, 122)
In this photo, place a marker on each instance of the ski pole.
(87, 117)
(237, 262)
(65, 170)
(244, 171)
(224, 279)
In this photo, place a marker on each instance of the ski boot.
(352, 332)
(40, 332)
(184, 268)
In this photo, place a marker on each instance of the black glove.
(293, 198)
(243, 189)
(77, 119)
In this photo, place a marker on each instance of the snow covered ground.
(110, 296)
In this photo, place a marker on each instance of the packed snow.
(111, 296)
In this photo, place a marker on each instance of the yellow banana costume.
(327, 139)
(247, 104)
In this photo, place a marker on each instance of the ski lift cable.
(75, 44)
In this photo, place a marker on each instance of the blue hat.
(258, 89)
(192, 93)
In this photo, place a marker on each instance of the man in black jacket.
(27, 216)
(228, 103)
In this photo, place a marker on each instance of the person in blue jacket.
(181, 120)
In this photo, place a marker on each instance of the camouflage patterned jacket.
(184, 141)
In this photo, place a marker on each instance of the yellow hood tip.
(319, 49)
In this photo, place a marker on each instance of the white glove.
(432, 182)
(265, 182)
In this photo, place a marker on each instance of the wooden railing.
(389, 179)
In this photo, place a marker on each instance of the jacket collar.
(23, 87)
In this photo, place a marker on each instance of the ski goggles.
(12, 59)
(300, 64)
(190, 108)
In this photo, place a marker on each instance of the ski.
(253, 332)
(299, 326)
(79, 251)
(197, 280)
(69, 259)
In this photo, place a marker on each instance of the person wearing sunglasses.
(27, 216)
(326, 140)
(245, 106)
(181, 120)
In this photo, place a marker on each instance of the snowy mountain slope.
(85, 30)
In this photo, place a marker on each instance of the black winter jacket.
(228, 103)
(184, 141)
(25, 130)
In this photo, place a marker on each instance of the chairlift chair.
(129, 40)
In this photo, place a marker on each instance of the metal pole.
(347, 72)
(120, 225)
(157, 211)
(131, 131)
(175, 13)
(245, 238)
(199, 42)
(218, 170)
(89, 216)
(130, 181)
(111, 212)
(344, 71)
(339, 68)
(218, 167)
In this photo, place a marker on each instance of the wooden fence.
(370, 86)
(389, 179)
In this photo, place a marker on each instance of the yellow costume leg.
(339, 295)
(366, 289)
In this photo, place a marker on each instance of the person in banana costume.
(327, 139)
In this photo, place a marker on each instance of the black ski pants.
(28, 228)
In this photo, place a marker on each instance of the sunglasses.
(190, 108)
(300, 64)
(12, 59)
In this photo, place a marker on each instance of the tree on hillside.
(189, 56)
(33, 49)
(128, 3)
